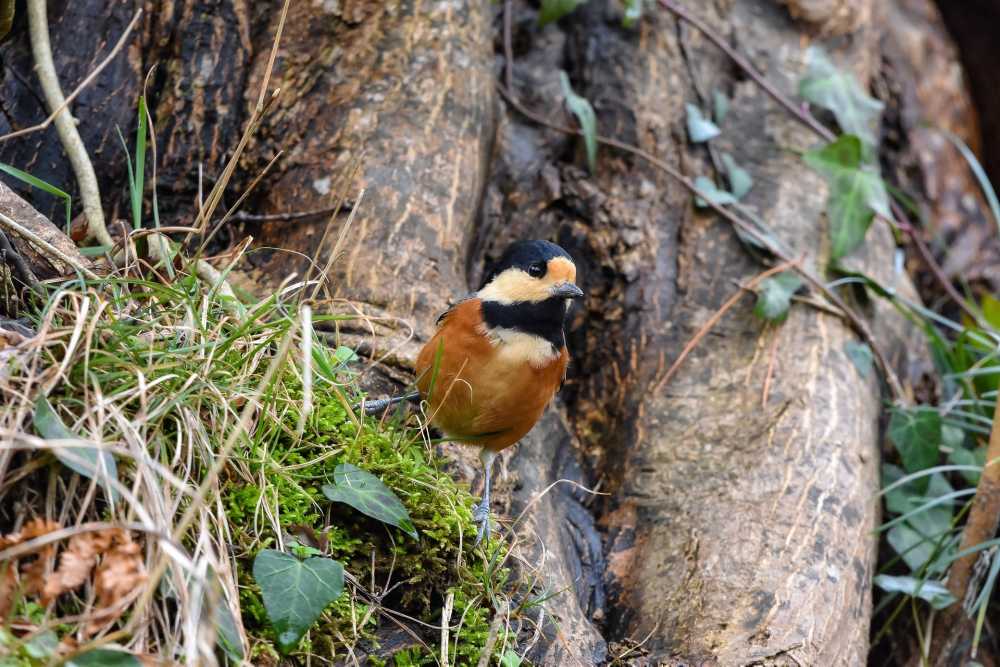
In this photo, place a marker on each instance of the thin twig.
(241, 216)
(856, 323)
(83, 84)
(714, 319)
(69, 136)
(797, 111)
(928, 259)
(771, 357)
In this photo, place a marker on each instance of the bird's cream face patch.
(515, 285)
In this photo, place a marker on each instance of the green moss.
(418, 573)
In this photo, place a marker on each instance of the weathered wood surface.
(737, 530)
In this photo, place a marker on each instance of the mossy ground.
(412, 576)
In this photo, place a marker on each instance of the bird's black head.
(531, 271)
(529, 289)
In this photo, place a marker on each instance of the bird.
(498, 356)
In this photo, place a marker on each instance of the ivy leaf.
(933, 592)
(715, 194)
(856, 192)
(42, 645)
(510, 659)
(827, 86)
(343, 355)
(700, 128)
(295, 591)
(916, 539)
(103, 657)
(553, 10)
(366, 493)
(860, 355)
(774, 297)
(916, 433)
(584, 113)
(90, 462)
(227, 634)
(720, 106)
(739, 178)
(967, 457)
(633, 12)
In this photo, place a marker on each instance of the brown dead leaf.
(119, 575)
(77, 562)
(37, 571)
(8, 586)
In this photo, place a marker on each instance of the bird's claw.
(481, 515)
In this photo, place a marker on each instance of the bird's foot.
(481, 515)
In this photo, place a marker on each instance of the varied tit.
(499, 356)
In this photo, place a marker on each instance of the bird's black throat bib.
(538, 318)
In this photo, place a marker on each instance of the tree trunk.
(738, 525)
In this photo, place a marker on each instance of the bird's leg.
(481, 512)
(375, 407)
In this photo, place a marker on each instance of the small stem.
(38, 26)
(797, 111)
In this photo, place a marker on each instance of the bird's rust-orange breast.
(485, 392)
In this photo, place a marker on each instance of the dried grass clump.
(150, 372)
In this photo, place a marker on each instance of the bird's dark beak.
(567, 291)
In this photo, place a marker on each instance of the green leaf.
(103, 657)
(909, 496)
(90, 462)
(825, 85)
(700, 128)
(860, 355)
(774, 296)
(295, 592)
(914, 548)
(36, 182)
(967, 457)
(584, 113)
(303, 550)
(933, 592)
(366, 493)
(95, 250)
(42, 645)
(714, 194)
(553, 10)
(510, 659)
(990, 306)
(227, 634)
(136, 186)
(343, 355)
(720, 106)
(916, 433)
(856, 193)
(739, 178)
(633, 12)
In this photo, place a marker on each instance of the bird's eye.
(536, 270)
